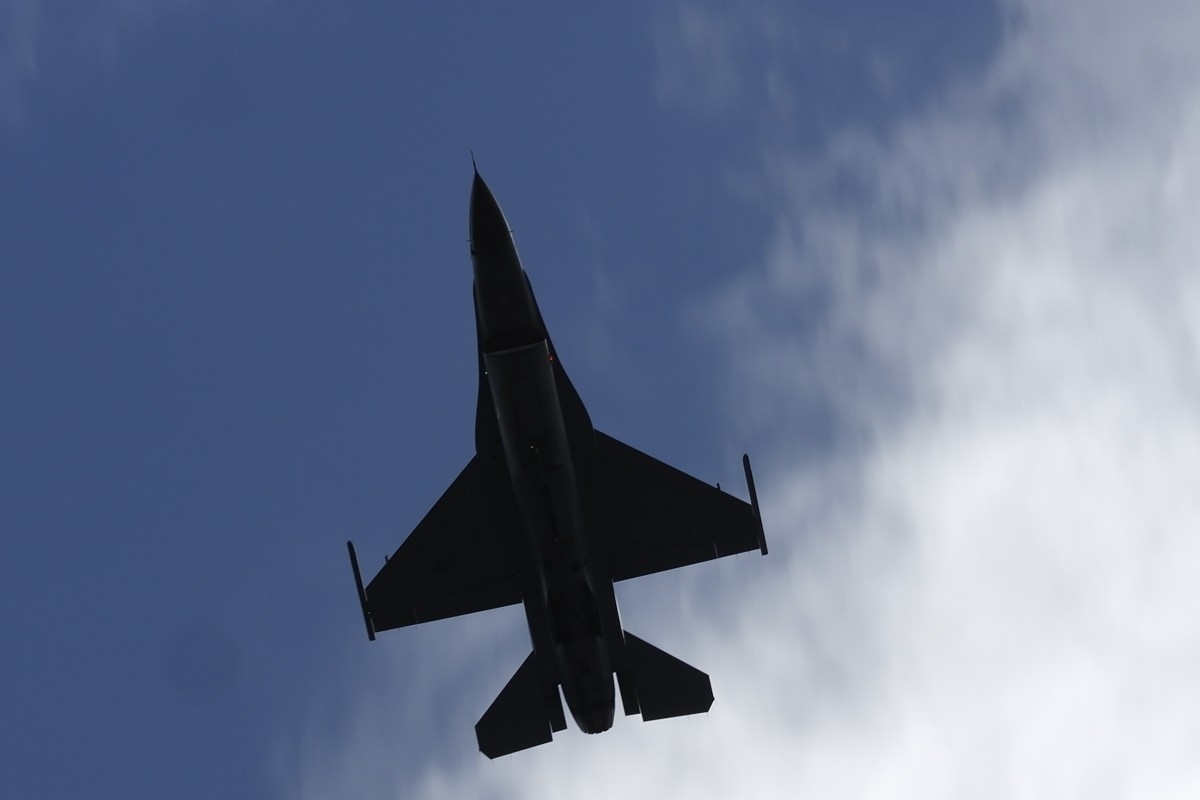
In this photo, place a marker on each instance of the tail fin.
(666, 686)
(518, 718)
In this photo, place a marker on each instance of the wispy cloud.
(18, 54)
(986, 585)
(710, 59)
(35, 34)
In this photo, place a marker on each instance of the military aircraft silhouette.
(549, 513)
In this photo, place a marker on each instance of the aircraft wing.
(653, 517)
(463, 557)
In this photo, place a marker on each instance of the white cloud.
(988, 588)
(1023, 526)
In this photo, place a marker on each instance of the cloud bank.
(984, 586)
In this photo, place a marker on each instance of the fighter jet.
(550, 513)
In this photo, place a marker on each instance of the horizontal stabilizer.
(518, 718)
(666, 686)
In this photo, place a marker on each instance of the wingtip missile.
(362, 593)
(762, 535)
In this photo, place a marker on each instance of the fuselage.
(562, 604)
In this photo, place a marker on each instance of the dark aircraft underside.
(550, 513)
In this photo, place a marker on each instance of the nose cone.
(507, 313)
(490, 236)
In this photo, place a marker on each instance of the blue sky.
(933, 264)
